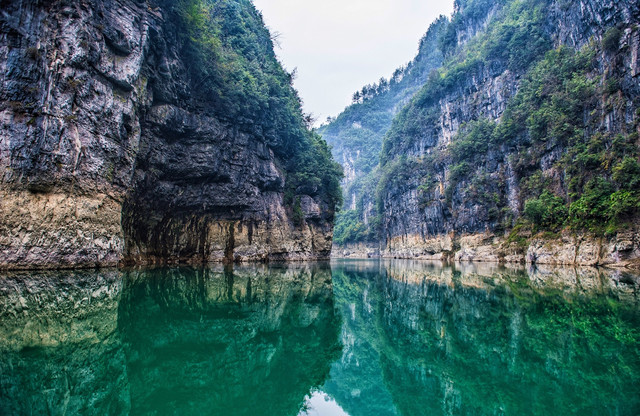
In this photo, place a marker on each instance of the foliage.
(611, 39)
(567, 139)
(314, 171)
(550, 111)
(473, 141)
(553, 98)
(448, 39)
(298, 215)
(361, 126)
(399, 175)
(555, 112)
(235, 71)
(626, 174)
(547, 211)
(515, 39)
(349, 229)
(600, 203)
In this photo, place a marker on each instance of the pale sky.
(338, 46)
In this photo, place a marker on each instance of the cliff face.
(525, 129)
(356, 136)
(115, 146)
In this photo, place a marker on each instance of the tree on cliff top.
(235, 70)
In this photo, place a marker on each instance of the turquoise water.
(350, 338)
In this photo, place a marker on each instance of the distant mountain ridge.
(356, 135)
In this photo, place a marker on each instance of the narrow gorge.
(147, 132)
(180, 236)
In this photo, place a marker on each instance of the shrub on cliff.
(235, 71)
(313, 171)
(547, 211)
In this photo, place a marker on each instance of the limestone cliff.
(131, 132)
(523, 146)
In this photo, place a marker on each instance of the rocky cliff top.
(130, 128)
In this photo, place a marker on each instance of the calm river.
(358, 338)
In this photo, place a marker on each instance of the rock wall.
(106, 156)
(356, 251)
(566, 248)
(467, 221)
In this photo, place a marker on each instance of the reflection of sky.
(319, 404)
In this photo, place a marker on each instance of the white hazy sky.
(340, 45)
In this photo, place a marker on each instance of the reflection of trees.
(419, 339)
(498, 344)
(59, 348)
(252, 340)
(356, 381)
(483, 339)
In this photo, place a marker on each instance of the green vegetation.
(358, 131)
(313, 171)
(573, 170)
(553, 98)
(349, 228)
(473, 141)
(547, 211)
(235, 72)
(611, 39)
(602, 173)
(514, 40)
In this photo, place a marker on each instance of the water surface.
(350, 338)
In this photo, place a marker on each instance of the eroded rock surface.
(108, 153)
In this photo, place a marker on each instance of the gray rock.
(107, 156)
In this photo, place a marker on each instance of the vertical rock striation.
(461, 161)
(110, 153)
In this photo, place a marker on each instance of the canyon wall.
(522, 147)
(120, 144)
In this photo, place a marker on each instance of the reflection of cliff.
(427, 339)
(216, 341)
(470, 345)
(356, 381)
(59, 348)
(249, 340)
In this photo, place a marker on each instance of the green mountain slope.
(529, 128)
(356, 135)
